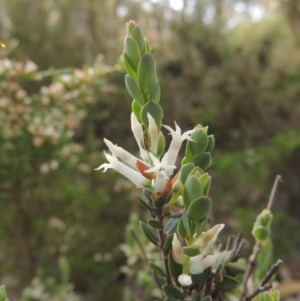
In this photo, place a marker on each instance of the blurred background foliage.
(233, 65)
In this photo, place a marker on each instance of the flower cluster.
(151, 170)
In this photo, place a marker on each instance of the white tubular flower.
(176, 142)
(199, 263)
(122, 154)
(185, 280)
(134, 176)
(207, 239)
(162, 172)
(153, 132)
(177, 252)
(137, 130)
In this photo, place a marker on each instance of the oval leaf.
(211, 143)
(173, 293)
(171, 225)
(146, 71)
(227, 285)
(199, 208)
(149, 233)
(155, 111)
(202, 160)
(136, 109)
(139, 38)
(134, 90)
(154, 93)
(185, 171)
(132, 51)
(155, 224)
(192, 190)
(180, 228)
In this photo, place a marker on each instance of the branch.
(162, 239)
(264, 286)
(274, 188)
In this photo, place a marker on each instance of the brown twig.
(162, 239)
(253, 257)
(264, 286)
(274, 188)
(250, 268)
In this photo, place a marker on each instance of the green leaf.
(260, 233)
(148, 194)
(128, 67)
(199, 143)
(160, 281)
(171, 225)
(196, 145)
(173, 293)
(200, 279)
(180, 228)
(185, 221)
(134, 90)
(227, 285)
(139, 38)
(185, 171)
(168, 245)
(175, 268)
(155, 111)
(211, 143)
(146, 71)
(199, 208)
(157, 269)
(154, 223)
(132, 51)
(160, 201)
(161, 144)
(192, 190)
(205, 183)
(147, 206)
(202, 160)
(130, 26)
(190, 251)
(154, 93)
(149, 233)
(234, 268)
(136, 109)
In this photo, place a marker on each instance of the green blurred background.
(233, 65)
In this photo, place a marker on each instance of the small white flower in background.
(185, 280)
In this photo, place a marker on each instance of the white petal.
(198, 264)
(124, 155)
(211, 235)
(178, 254)
(176, 142)
(134, 176)
(137, 130)
(185, 280)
